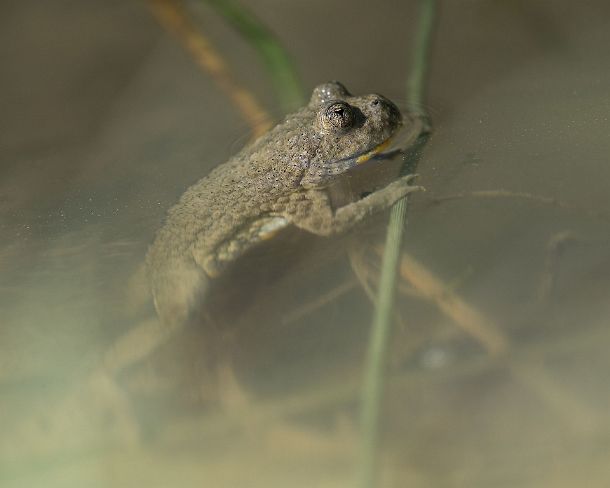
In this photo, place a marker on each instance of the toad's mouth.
(363, 158)
(398, 142)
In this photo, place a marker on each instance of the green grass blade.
(278, 63)
(381, 328)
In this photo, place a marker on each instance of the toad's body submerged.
(281, 179)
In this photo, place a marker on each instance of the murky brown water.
(105, 120)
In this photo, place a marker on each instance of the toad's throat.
(363, 158)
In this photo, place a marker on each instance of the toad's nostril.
(375, 102)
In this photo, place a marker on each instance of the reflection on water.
(497, 368)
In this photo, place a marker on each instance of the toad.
(281, 179)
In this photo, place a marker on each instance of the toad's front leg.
(322, 220)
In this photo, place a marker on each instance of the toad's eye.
(338, 116)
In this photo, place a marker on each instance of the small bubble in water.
(435, 358)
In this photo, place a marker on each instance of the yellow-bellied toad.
(279, 180)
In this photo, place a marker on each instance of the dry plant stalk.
(172, 16)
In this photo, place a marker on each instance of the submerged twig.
(501, 193)
(367, 272)
(172, 16)
(574, 413)
(468, 318)
(380, 330)
(325, 298)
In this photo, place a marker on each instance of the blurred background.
(106, 118)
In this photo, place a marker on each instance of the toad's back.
(217, 207)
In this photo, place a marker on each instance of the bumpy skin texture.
(278, 180)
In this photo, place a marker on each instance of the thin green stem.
(416, 83)
(277, 61)
(381, 328)
(376, 354)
